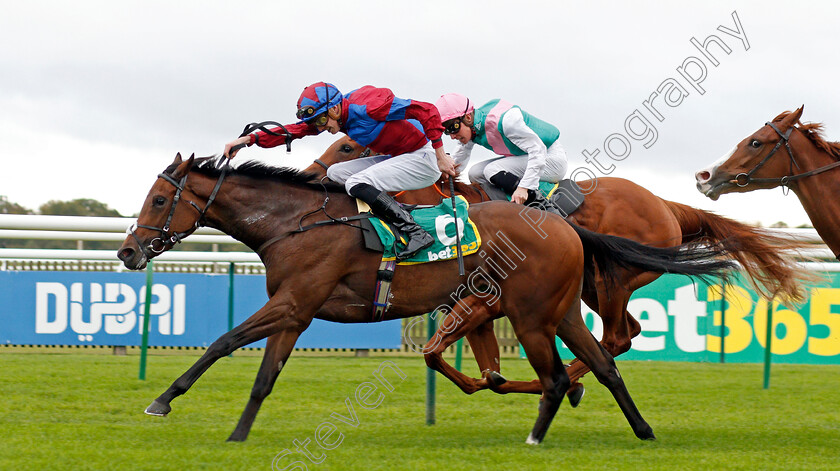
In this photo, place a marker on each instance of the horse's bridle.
(167, 236)
(744, 179)
(158, 244)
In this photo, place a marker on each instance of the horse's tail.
(761, 254)
(610, 253)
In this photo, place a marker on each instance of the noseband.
(744, 179)
(168, 237)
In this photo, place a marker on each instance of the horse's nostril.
(125, 254)
(702, 176)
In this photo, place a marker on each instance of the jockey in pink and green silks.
(528, 148)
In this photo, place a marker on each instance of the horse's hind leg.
(580, 341)
(484, 346)
(535, 331)
(474, 325)
(542, 354)
(619, 327)
(278, 347)
(611, 308)
(478, 327)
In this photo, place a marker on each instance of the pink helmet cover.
(453, 105)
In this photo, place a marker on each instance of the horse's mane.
(814, 132)
(212, 166)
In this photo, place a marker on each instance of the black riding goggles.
(307, 112)
(452, 126)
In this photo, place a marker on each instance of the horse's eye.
(159, 201)
(346, 148)
(755, 144)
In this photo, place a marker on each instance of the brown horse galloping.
(326, 273)
(616, 207)
(808, 165)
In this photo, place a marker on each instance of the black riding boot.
(385, 207)
(509, 182)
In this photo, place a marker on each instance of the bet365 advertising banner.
(104, 308)
(681, 320)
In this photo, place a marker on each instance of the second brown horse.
(613, 206)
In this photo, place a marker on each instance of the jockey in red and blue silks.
(406, 133)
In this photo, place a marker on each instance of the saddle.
(565, 194)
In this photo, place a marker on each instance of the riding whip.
(457, 231)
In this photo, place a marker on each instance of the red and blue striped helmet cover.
(321, 96)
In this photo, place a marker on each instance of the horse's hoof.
(646, 434)
(495, 378)
(158, 409)
(576, 395)
(531, 440)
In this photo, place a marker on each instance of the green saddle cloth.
(439, 222)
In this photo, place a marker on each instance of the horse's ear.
(177, 160)
(793, 117)
(183, 166)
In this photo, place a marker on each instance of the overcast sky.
(97, 97)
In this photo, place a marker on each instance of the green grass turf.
(77, 411)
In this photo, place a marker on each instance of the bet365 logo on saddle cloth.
(439, 222)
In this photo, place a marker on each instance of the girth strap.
(381, 294)
(346, 220)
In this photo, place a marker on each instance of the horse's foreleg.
(619, 325)
(277, 350)
(580, 341)
(259, 326)
(223, 346)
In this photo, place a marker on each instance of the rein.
(249, 128)
(744, 179)
(325, 166)
(346, 220)
(167, 236)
